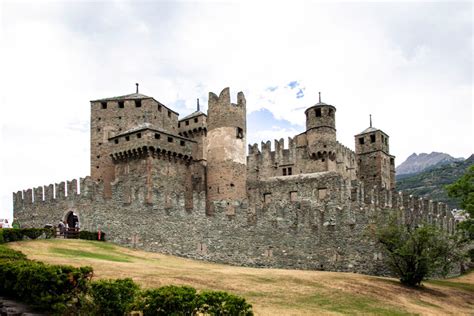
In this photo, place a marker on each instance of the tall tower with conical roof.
(376, 167)
(321, 134)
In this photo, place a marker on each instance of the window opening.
(195, 120)
(139, 135)
(169, 113)
(127, 138)
(104, 105)
(181, 143)
(187, 123)
(121, 104)
(240, 133)
(361, 140)
(284, 171)
(170, 139)
(372, 138)
(318, 112)
(157, 136)
(138, 103)
(116, 141)
(159, 108)
(289, 171)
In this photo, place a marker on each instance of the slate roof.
(131, 96)
(196, 113)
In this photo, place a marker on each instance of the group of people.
(64, 229)
(5, 224)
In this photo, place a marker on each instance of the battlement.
(223, 113)
(141, 142)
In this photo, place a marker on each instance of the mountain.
(417, 163)
(431, 182)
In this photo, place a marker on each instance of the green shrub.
(222, 303)
(32, 233)
(1, 236)
(12, 234)
(10, 254)
(84, 234)
(113, 297)
(17, 234)
(47, 287)
(168, 300)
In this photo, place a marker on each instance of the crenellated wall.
(308, 221)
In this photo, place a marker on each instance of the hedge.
(17, 234)
(47, 287)
(83, 234)
(10, 254)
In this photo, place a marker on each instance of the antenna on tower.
(137, 86)
(319, 97)
(370, 115)
(198, 104)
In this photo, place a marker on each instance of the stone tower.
(376, 167)
(226, 157)
(321, 135)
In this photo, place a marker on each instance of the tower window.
(103, 105)
(181, 143)
(331, 113)
(392, 161)
(139, 135)
(179, 124)
(169, 113)
(116, 141)
(284, 171)
(240, 133)
(170, 139)
(372, 138)
(195, 120)
(289, 171)
(127, 138)
(159, 108)
(361, 140)
(157, 136)
(187, 123)
(138, 103)
(121, 104)
(318, 112)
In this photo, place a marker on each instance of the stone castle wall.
(313, 221)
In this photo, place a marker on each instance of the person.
(16, 224)
(6, 225)
(66, 229)
(62, 228)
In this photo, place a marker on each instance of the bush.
(47, 287)
(17, 234)
(10, 254)
(84, 234)
(113, 297)
(168, 300)
(222, 303)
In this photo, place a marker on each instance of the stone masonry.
(186, 187)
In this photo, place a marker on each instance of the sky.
(409, 64)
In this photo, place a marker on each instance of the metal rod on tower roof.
(137, 86)
(370, 115)
(198, 104)
(319, 97)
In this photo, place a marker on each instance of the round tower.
(321, 131)
(226, 156)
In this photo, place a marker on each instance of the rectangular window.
(284, 171)
(392, 161)
(139, 135)
(170, 139)
(195, 120)
(267, 198)
(293, 196)
(318, 112)
(157, 136)
(181, 143)
(240, 133)
(179, 124)
(361, 140)
(121, 104)
(372, 138)
(187, 123)
(116, 141)
(103, 105)
(159, 108)
(289, 171)
(169, 113)
(138, 103)
(127, 138)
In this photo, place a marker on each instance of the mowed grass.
(270, 291)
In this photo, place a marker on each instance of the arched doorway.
(72, 220)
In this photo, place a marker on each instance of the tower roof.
(195, 113)
(131, 96)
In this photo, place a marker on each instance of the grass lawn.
(270, 291)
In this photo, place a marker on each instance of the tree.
(416, 252)
(463, 189)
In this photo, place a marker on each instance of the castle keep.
(187, 187)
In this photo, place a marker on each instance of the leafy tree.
(416, 252)
(463, 189)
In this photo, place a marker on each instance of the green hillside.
(430, 183)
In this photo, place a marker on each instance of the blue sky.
(409, 64)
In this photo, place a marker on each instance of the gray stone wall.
(317, 221)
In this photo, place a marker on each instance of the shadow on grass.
(90, 255)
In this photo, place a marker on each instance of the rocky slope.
(431, 182)
(418, 163)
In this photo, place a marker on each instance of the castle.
(187, 187)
